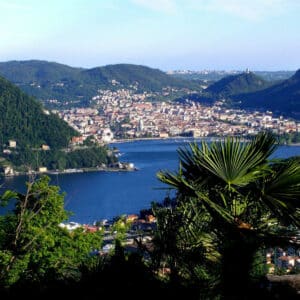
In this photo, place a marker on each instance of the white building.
(12, 144)
(107, 135)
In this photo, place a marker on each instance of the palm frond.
(281, 192)
(235, 162)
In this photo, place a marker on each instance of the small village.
(139, 230)
(134, 227)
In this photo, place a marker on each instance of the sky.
(163, 34)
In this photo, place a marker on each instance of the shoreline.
(138, 139)
(72, 171)
(125, 167)
(119, 141)
(158, 139)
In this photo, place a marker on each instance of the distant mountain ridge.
(128, 74)
(76, 86)
(215, 75)
(50, 80)
(28, 71)
(237, 84)
(283, 97)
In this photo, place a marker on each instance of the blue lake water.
(98, 195)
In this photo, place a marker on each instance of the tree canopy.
(23, 119)
(235, 200)
(33, 247)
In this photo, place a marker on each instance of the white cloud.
(252, 10)
(247, 9)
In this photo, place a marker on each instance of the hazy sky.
(165, 34)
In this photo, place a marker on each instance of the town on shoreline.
(125, 114)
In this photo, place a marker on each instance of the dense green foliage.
(22, 119)
(39, 258)
(231, 202)
(83, 157)
(47, 80)
(237, 84)
(89, 157)
(33, 248)
(289, 138)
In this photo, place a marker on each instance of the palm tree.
(183, 252)
(245, 195)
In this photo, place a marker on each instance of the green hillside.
(22, 119)
(30, 71)
(283, 97)
(238, 84)
(128, 74)
(49, 80)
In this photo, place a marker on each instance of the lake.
(102, 195)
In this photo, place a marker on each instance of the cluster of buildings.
(141, 228)
(7, 170)
(125, 113)
(283, 259)
(88, 122)
(203, 72)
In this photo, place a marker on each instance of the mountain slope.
(127, 74)
(237, 84)
(23, 119)
(30, 71)
(48, 80)
(283, 97)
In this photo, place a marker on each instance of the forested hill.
(30, 71)
(128, 74)
(283, 97)
(238, 84)
(49, 80)
(23, 119)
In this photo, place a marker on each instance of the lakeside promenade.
(183, 138)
